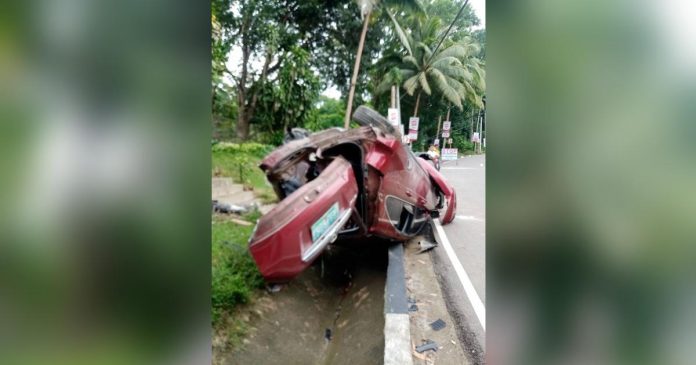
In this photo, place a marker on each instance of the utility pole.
(393, 97)
(354, 79)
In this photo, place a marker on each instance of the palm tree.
(453, 72)
(366, 8)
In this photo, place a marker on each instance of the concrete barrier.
(397, 330)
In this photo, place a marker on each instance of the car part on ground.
(428, 345)
(438, 325)
(338, 183)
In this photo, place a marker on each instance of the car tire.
(368, 117)
(449, 209)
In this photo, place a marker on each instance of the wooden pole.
(393, 97)
(356, 68)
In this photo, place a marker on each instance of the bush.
(255, 149)
(234, 273)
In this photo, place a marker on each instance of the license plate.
(325, 222)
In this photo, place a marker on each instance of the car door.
(293, 234)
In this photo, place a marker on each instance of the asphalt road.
(467, 238)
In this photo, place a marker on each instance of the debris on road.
(233, 208)
(412, 307)
(438, 325)
(428, 345)
(327, 334)
(426, 246)
(274, 288)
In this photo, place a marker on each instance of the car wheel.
(449, 208)
(368, 117)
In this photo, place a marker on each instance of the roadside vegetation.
(286, 52)
(234, 274)
(240, 162)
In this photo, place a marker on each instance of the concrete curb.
(397, 327)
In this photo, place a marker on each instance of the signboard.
(393, 116)
(445, 134)
(448, 154)
(413, 123)
(413, 134)
(436, 142)
(475, 138)
(451, 140)
(446, 125)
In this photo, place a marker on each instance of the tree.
(253, 39)
(327, 113)
(452, 72)
(287, 102)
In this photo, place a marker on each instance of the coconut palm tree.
(366, 9)
(452, 72)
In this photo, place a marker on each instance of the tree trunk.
(242, 118)
(356, 68)
(246, 110)
(242, 126)
(415, 110)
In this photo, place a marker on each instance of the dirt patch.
(331, 314)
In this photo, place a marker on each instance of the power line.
(448, 30)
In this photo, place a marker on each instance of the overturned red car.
(338, 184)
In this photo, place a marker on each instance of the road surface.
(466, 237)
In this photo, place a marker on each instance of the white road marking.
(468, 218)
(474, 299)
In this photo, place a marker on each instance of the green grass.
(234, 273)
(240, 162)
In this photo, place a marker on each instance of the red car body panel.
(380, 187)
(280, 240)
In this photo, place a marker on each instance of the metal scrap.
(428, 345)
(426, 246)
(438, 325)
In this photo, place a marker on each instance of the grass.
(240, 162)
(234, 273)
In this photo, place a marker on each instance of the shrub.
(255, 149)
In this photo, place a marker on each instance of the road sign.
(449, 154)
(436, 142)
(445, 134)
(413, 134)
(446, 125)
(393, 116)
(413, 123)
(475, 138)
